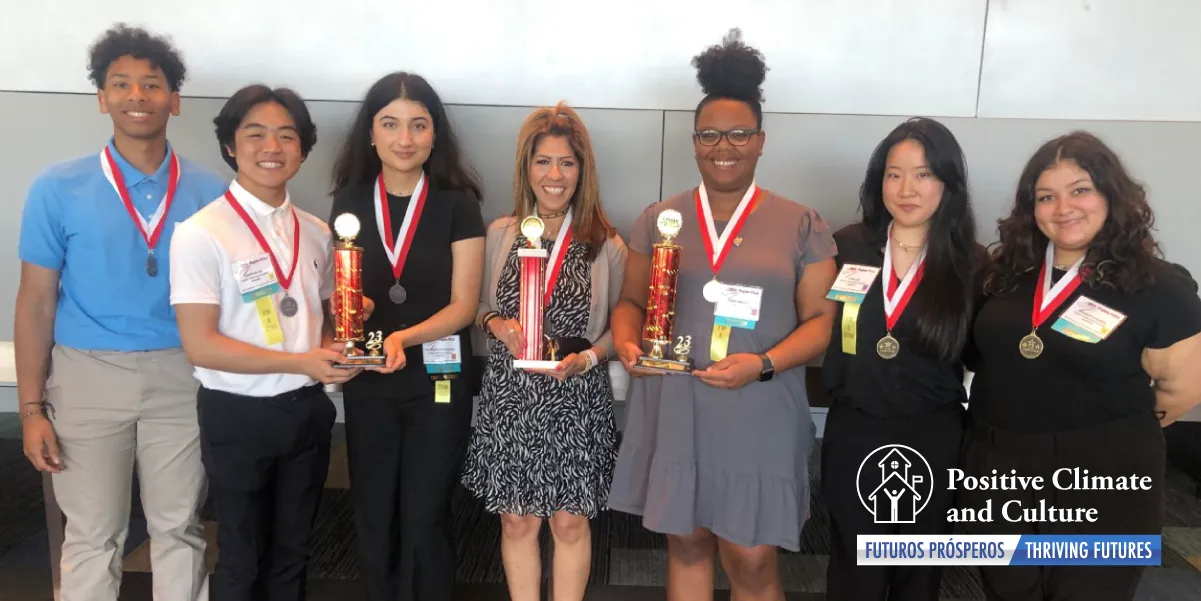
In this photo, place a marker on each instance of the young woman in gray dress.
(718, 458)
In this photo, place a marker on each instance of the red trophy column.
(532, 260)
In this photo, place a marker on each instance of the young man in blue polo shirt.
(103, 383)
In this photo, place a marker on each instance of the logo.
(895, 483)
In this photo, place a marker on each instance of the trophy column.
(659, 326)
(532, 261)
(346, 305)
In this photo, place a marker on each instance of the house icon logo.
(895, 483)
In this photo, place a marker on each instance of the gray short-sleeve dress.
(735, 462)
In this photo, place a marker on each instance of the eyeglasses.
(737, 137)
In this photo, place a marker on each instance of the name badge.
(1088, 321)
(853, 283)
(738, 306)
(442, 356)
(256, 278)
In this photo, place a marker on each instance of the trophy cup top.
(346, 226)
(532, 228)
(669, 223)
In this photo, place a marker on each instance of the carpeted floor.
(628, 561)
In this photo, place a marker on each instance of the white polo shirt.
(204, 251)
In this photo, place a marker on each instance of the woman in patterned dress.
(544, 442)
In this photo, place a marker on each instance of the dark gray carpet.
(22, 507)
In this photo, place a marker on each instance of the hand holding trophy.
(346, 306)
(659, 326)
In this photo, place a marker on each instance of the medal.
(888, 347)
(1047, 299)
(712, 291)
(397, 294)
(717, 247)
(897, 299)
(151, 230)
(398, 249)
(288, 305)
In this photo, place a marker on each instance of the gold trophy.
(346, 306)
(659, 326)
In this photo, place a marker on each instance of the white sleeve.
(327, 275)
(195, 266)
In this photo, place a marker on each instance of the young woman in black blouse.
(1085, 346)
(401, 174)
(895, 372)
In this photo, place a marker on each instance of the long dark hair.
(1122, 254)
(943, 301)
(358, 162)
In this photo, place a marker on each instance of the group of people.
(189, 336)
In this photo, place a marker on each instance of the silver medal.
(397, 294)
(288, 306)
(151, 265)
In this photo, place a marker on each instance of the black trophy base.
(665, 366)
(358, 361)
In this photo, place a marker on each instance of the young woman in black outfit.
(401, 174)
(1054, 391)
(893, 366)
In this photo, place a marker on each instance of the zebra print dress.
(541, 445)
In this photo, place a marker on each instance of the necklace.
(907, 247)
(554, 215)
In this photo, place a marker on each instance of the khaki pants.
(112, 411)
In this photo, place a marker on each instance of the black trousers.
(266, 459)
(1129, 446)
(405, 459)
(850, 436)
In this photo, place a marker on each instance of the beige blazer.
(608, 271)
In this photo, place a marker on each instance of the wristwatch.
(769, 368)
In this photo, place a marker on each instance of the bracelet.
(591, 358)
(487, 317)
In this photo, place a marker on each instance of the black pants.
(405, 458)
(850, 436)
(266, 459)
(1129, 446)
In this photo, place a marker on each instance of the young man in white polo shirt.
(250, 277)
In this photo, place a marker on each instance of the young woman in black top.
(401, 174)
(895, 372)
(1083, 380)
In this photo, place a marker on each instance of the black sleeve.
(980, 263)
(1176, 307)
(468, 220)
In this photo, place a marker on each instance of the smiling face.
(554, 172)
(403, 133)
(267, 148)
(912, 192)
(138, 98)
(727, 166)
(1068, 209)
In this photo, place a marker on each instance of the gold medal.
(1031, 346)
(888, 347)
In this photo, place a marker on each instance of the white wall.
(1004, 75)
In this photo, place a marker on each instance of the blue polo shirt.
(75, 223)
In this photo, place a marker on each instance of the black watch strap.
(769, 368)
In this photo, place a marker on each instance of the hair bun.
(731, 69)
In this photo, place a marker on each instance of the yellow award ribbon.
(719, 343)
(850, 323)
(269, 319)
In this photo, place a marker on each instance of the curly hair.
(732, 70)
(123, 40)
(1124, 251)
